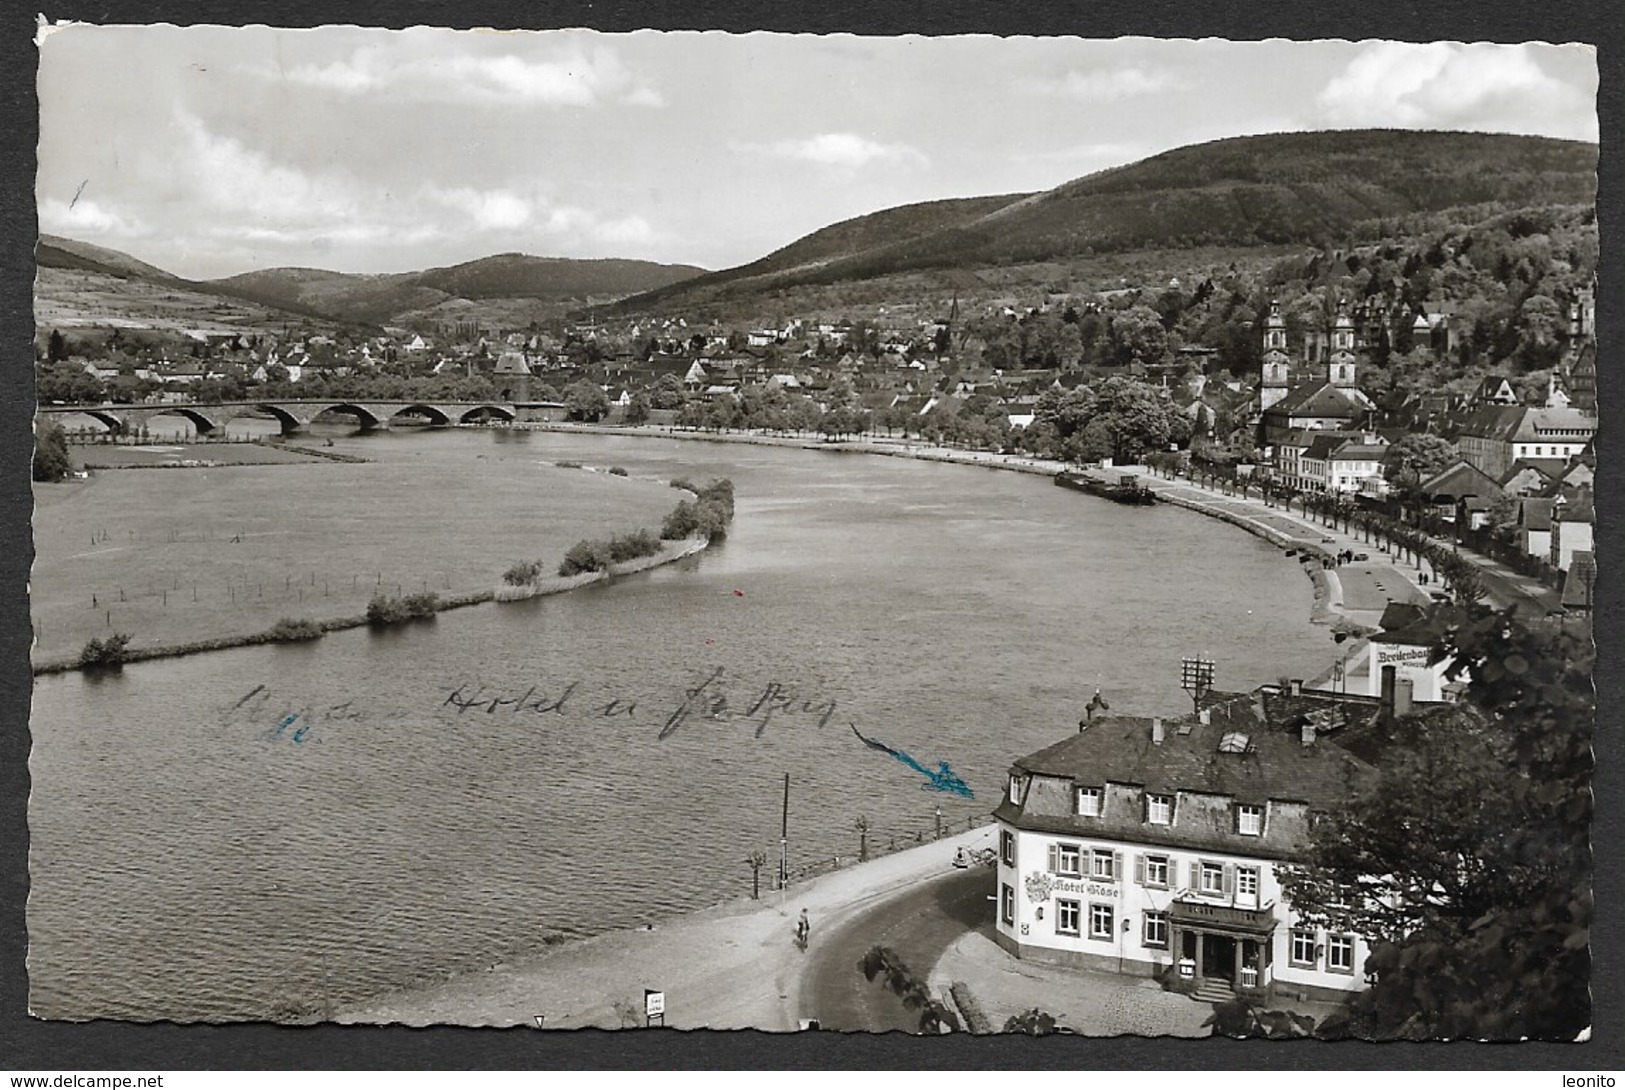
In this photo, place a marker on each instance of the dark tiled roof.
(1322, 399)
(1580, 583)
(1277, 766)
(1461, 479)
(1398, 615)
(1493, 422)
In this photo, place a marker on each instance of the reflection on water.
(272, 830)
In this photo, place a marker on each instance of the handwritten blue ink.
(942, 778)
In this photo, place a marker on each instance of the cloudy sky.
(211, 150)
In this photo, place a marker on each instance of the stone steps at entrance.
(1213, 991)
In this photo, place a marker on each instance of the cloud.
(86, 218)
(842, 150)
(1105, 85)
(1446, 85)
(255, 206)
(576, 78)
(228, 176)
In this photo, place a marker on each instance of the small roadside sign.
(654, 1006)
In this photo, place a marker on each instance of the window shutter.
(1229, 879)
(1139, 870)
(1117, 866)
(1054, 858)
(1195, 872)
(1235, 818)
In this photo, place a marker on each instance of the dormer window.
(1091, 801)
(1159, 809)
(1250, 820)
(1015, 790)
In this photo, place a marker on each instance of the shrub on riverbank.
(523, 574)
(294, 629)
(617, 471)
(708, 515)
(105, 654)
(386, 609)
(588, 556)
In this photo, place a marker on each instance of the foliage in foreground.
(51, 461)
(883, 961)
(105, 654)
(1240, 1017)
(1034, 1022)
(1468, 861)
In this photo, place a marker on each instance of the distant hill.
(80, 284)
(382, 298)
(55, 252)
(1309, 188)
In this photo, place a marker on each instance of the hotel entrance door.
(1218, 957)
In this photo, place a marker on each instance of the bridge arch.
(437, 416)
(502, 412)
(204, 423)
(114, 422)
(365, 416)
(290, 421)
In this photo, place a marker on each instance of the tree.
(1468, 857)
(1414, 458)
(51, 461)
(637, 412)
(916, 996)
(586, 400)
(1140, 334)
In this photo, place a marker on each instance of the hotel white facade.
(1154, 849)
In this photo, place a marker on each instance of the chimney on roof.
(1205, 716)
(1295, 686)
(1156, 730)
(1306, 733)
(1403, 689)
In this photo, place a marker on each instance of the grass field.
(189, 554)
(190, 455)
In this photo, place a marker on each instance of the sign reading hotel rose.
(1093, 889)
(1400, 654)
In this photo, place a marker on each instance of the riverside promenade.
(732, 966)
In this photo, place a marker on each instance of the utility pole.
(784, 837)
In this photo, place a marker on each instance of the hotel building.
(1154, 847)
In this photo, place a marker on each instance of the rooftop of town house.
(1578, 509)
(1323, 399)
(1460, 478)
(1250, 750)
(1535, 513)
(1579, 584)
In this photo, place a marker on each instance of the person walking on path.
(803, 930)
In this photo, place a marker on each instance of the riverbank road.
(734, 966)
(1362, 589)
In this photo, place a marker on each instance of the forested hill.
(1314, 188)
(380, 298)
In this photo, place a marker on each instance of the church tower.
(1277, 364)
(1342, 358)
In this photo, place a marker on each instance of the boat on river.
(1126, 489)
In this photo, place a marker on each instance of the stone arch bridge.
(293, 414)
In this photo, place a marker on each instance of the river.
(275, 831)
